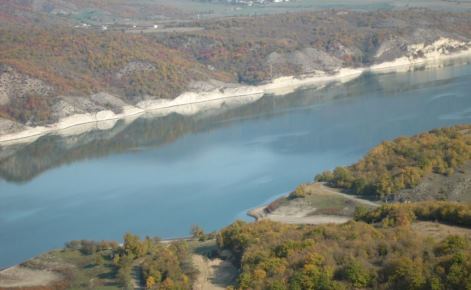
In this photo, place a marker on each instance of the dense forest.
(354, 255)
(403, 162)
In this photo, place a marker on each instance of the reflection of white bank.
(210, 106)
(190, 103)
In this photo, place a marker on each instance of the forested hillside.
(77, 63)
(403, 163)
(259, 48)
(349, 256)
(64, 61)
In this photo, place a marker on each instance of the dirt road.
(215, 274)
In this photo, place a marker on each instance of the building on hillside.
(252, 2)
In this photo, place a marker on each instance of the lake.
(159, 175)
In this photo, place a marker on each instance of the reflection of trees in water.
(28, 161)
(22, 163)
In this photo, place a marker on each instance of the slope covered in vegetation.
(404, 214)
(402, 163)
(59, 60)
(149, 263)
(81, 63)
(354, 255)
(256, 49)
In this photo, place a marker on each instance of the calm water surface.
(158, 176)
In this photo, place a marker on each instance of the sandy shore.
(297, 211)
(191, 102)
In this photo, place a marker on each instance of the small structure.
(83, 25)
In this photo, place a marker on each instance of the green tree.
(406, 274)
(197, 232)
(357, 274)
(133, 245)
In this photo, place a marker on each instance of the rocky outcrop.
(422, 43)
(134, 66)
(309, 59)
(441, 46)
(16, 85)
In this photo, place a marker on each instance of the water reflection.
(158, 175)
(23, 162)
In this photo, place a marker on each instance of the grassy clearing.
(320, 199)
(83, 272)
(331, 205)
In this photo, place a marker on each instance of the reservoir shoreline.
(279, 86)
(137, 173)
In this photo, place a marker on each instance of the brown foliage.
(402, 163)
(349, 256)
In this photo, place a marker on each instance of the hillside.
(65, 68)
(354, 255)
(256, 49)
(431, 166)
(411, 168)
(50, 68)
